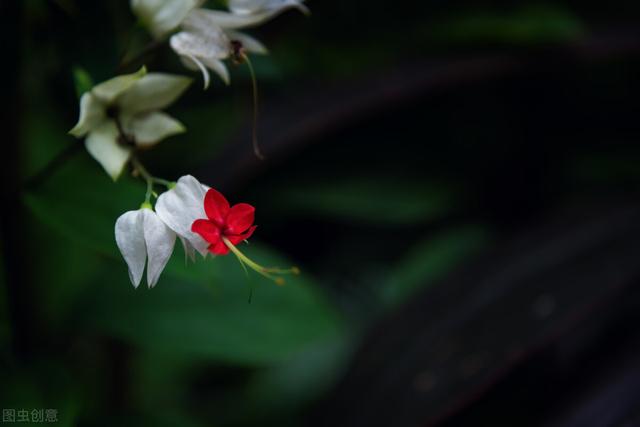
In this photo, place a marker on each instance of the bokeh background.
(458, 181)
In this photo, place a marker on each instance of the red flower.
(231, 224)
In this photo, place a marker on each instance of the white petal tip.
(115, 177)
(133, 282)
(304, 9)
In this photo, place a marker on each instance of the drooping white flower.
(143, 238)
(129, 104)
(207, 36)
(251, 13)
(241, 7)
(161, 17)
(179, 207)
(205, 40)
(204, 45)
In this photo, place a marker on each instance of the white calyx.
(128, 104)
(143, 238)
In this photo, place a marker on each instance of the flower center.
(112, 112)
(124, 138)
(237, 52)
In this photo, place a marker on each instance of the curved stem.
(151, 47)
(146, 175)
(50, 168)
(150, 179)
(140, 168)
(254, 85)
(161, 181)
(264, 271)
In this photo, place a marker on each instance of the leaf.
(82, 81)
(42, 384)
(430, 259)
(529, 24)
(83, 204)
(60, 276)
(368, 200)
(202, 312)
(292, 384)
(198, 310)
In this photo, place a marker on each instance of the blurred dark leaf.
(529, 24)
(431, 259)
(47, 136)
(617, 166)
(82, 203)
(369, 200)
(5, 330)
(82, 80)
(202, 312)
(291, 384)
(44, 386)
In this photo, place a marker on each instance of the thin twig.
(151, 47)
(254, 130)
(50, 168)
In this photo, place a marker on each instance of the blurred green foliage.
(210, 292)
(528, 24)
(390, 201)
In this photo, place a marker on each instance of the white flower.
(161, 17)
(207, 34)
(203, 44)
(129, 102)
(143, 238)
(179, 207)
(250, 13)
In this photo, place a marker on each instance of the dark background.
(458, 182)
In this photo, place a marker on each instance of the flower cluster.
(203, 220)
(208, 37)
(122, 116)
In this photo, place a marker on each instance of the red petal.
(219, 248)
(240, 218)
(237, 238)
(207, 229)
(216, 206)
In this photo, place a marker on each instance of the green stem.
(146, 175)
(161, 181)
(266, 272)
